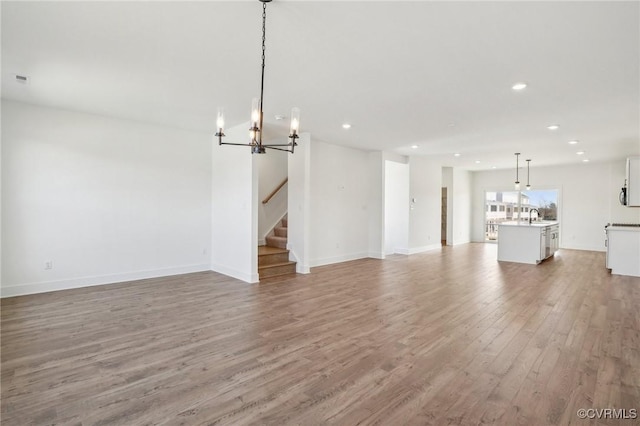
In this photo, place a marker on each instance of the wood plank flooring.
(450, 336)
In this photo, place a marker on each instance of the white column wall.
(376, 205)
(234, 212)
(396, 208)
(298, 240)
(461, 207)
(424, 218)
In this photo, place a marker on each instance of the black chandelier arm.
(237, 144)
(279, 149)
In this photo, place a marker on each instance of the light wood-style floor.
(450, 336)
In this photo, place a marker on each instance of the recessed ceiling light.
(457, 154)
(553, 127)
(280, 117)
(586, 160)
(519, 86)
(414, 146)
(573, 142)
(580, 152)
(477, 161)
(493, 167)
(346, 126)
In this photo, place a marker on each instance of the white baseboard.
(416, 250)
(262, 242)
(378, 255)
(242, 276)
(66, 284)
(337, 259)
(302, 269)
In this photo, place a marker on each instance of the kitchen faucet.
(530, 210)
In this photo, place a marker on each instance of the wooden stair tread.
(274, 265)
(273, 257)
(266, 250)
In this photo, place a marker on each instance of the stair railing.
(275, 191)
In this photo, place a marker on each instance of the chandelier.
(255, 131)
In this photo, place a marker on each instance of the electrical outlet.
(48, 264)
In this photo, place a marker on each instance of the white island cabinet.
(623, 250)
(527, 243)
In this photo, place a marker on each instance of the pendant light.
(517, 166)
(528, 184)
(255, 131)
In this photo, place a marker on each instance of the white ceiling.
(435, 74)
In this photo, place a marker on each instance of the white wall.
(424, 218)
(376, 205)
(234, 198)
(461, 207)
(104, 200)
(396, 208)
(272, 170)
(588, 199)
(299, 201)
(339, 201)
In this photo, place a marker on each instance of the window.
(517, 206)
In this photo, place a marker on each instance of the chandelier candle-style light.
(517, 165)
(255, 131)
(528, 184)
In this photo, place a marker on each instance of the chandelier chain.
(264, 27)
(264, 37)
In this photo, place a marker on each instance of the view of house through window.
(504, 207)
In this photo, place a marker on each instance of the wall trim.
(230, 272)
(67, 284)
(416, 250)
(337, 259)
(376, 255)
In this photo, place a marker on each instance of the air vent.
(22, 79)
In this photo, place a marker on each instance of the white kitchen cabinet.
(623, 250)
(633, 182)
(527, 243)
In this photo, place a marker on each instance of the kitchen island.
(527, 243)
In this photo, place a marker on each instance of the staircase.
(273, 258)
